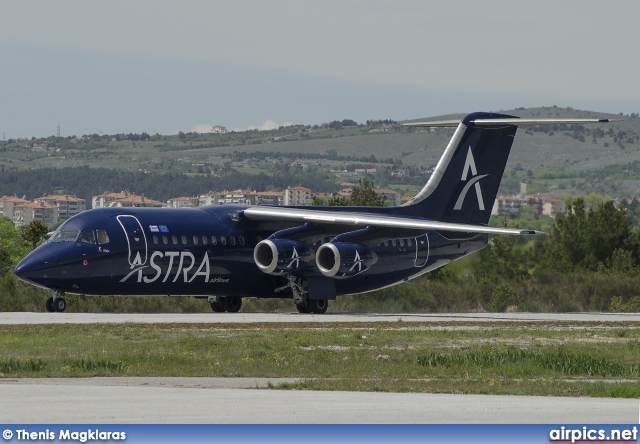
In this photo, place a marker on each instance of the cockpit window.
(103, 237)
(87, 236)
(65, 236)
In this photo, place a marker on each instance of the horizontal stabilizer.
(509, 121)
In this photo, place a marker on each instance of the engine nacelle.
(277, 256)
(342, 260)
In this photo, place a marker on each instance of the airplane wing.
(362, 219)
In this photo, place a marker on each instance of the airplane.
(224, 253)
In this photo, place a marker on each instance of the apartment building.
(8, 203)
(507, 205)
(297, 196)
(270, 198)
(67, 205)
(133, 200)
(24, 213)
(104, 200)
(183, 202)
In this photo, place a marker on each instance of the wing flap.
(362, 219)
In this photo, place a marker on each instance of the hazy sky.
(164, 66)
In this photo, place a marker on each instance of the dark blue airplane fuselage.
(205, 251)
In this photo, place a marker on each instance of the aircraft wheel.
(217, 306)
(233, 303)
(49, 305)
(60, 305)
(319, 306)
(303, 308)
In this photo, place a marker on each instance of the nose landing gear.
(56, 303)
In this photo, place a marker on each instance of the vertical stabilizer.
(465, 183)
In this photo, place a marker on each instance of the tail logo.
(470, 166)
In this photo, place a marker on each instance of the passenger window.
(155, 239)
(386, 243)
(165, 239)
(87, 236)
(195, 240)
(402, 242)
(184, 239)
(103, 237)
(174, 239)
(214, 240)
(232, 239)
(223, 240)
(241, 240)
(409, 242)
(393, 242)
(205, 241)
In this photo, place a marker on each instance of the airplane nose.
(26, 267)
(33, 267)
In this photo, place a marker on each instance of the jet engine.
(342, 260)
(277, 256)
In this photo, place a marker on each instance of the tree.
(588, 239)
(364, 195)
(35, 232)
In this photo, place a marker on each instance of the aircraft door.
(136, 239)
(422, 250)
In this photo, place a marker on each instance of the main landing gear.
(317, 306)
(56, 303)
(220, 304)
(304, 304)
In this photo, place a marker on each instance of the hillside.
(569, 152)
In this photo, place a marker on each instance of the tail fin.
(465, 183)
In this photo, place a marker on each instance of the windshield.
(65, 236)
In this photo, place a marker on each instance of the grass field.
(568, 359)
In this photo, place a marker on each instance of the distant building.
(553, 207)
(219, 129)
(507, 206)
(345, 193)
(366, 171)
(133, 200)
(67, 205)
(8, 203)
(24, 213)
(104, 200)
(401, 173)
(212, 198)
(240, 197)
(183, 202)
(297, 196)
(270, 198)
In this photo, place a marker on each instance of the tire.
(319, 306)
(304, 309)
(60, 305)
(49, 305)
(233, 303)
(217, 306)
